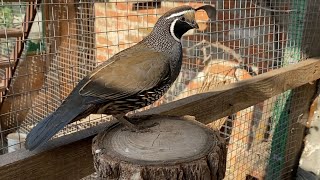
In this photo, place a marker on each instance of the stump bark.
(175, 148)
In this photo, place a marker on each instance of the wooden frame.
(70, 156)
(11, 32)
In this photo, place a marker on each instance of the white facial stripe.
(179, 14)
(172, 30)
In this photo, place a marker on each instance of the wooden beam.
(52, 164)
(70, 156)
(2, 88)
(6, 63)
(11, 32)
(229, 99)
(6, 1)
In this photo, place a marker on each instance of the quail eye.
(183, 19)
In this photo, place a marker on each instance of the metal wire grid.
(73, 59)
(64, 55)
(11, 18)
(248, 38)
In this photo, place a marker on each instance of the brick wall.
(118, 26)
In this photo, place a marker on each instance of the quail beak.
(194, 24)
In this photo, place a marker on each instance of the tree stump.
(175, 148)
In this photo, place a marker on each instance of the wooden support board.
(206, 107)
(11, 32)
(6, 1)
(5, 63)
(63, 158)
(232, 98)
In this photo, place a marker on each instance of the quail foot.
(133, 78)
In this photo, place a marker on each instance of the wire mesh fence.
(67, 39)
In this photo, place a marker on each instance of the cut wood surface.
(206, 107)
(172, 148)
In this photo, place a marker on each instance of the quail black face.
(182, 25)
(181, 20)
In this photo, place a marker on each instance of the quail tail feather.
(52, 124)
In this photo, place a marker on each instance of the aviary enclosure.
(47, 46)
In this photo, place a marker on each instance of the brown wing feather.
(126, 74)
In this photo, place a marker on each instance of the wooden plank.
(6, 1)
(6, 63)
(232, 98)
(57, 165)
(10, 32)
(300, 103)
(68, 157)
(57, 160)
(2, 88)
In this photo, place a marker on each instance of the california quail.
(132, 79)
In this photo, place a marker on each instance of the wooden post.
(173, 148)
